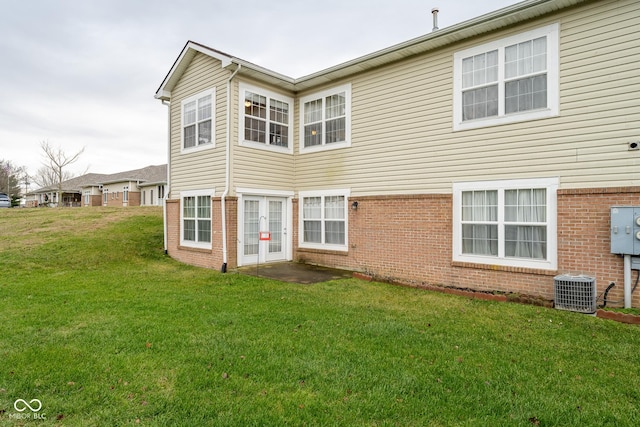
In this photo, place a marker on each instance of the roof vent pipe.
(434, 12)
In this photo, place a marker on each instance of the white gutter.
(227, 174)
(166, 191)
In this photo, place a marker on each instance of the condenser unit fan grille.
(575, 293)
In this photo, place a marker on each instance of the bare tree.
(56, 161)
(45, 177)
(9, 178)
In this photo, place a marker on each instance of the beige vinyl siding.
(255, 167)
(402, 137)
(262, 169)
(202, 169)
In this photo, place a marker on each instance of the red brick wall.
(409, 239)
(394, 237)
(134, 198)
(231, 204)
(584, 237)
(114, 199)
(203, 257)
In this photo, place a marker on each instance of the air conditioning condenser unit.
(575, 293)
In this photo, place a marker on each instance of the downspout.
(166, 191)
(627, 281)
(227, 178)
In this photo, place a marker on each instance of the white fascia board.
(188, 52)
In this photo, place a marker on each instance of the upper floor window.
(266, 119)
(197, 121)
(510, 223)
(326, 119)
(509, 80)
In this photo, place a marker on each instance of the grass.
(104, 329)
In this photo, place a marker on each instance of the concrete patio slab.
(295, 272)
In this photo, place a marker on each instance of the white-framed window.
(323, 219)
(266, 119)
(510, 223)
(325, 119)
(508, 80)
(197, 121)
(195, 218)
(87, 197)
(105, 196)
(125, 194)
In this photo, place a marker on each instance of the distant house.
(72, 192)
(118, 189)
(92, 194)
(129, 188)
(152, 193)
(486, 155)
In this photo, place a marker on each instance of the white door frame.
(245, 193)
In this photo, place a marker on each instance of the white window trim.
(195, 97)
(320, 193)
(551, 185)
(244, 87)
(194, 193)
(553, 92)
(335, 145)
(263, 192)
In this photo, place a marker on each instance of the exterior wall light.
(354, 206)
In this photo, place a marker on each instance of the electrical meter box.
(625, 230)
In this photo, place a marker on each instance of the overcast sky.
(83, 73)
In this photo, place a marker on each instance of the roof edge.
(442, 37)
(186, 54)
(519, 12)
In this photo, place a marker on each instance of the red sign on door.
(265, 235)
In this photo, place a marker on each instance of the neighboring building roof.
(150, 174)
(74, 184)
(501, 18)
(156, 174)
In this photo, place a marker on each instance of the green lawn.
(104, 330)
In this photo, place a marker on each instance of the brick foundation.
(408, 239)
(212, 258)
(584, 236)
(134, 198)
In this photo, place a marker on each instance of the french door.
(264, 229)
